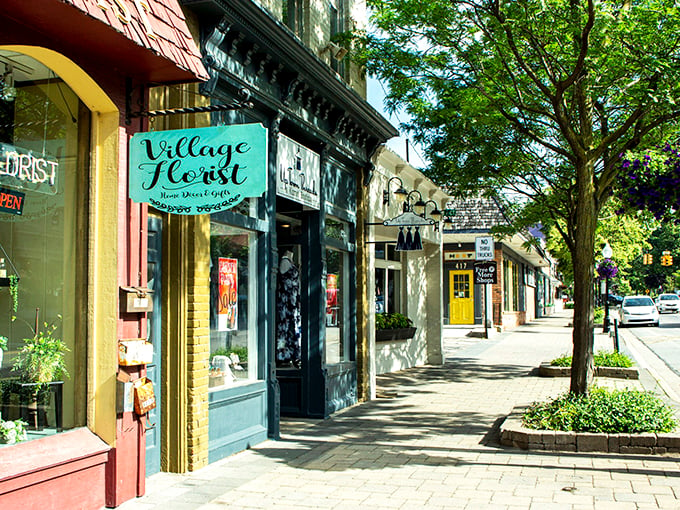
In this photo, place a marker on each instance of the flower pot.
(387, 335)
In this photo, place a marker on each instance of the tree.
(536, 97)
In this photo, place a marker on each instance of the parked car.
(638, 310)
(668, 303)
(614, 300)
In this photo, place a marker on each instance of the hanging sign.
(198, 171)
(24, 169)
(485, 272)
(227, 312)
(298, 173)
(484, 248)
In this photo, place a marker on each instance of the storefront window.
(41, 262)
(336, 307)
(233, 325)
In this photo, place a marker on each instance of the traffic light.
(666, 260)
(647, 258)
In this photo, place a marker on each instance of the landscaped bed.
(606, 364)
(616, 421)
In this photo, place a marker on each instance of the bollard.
(615, 335)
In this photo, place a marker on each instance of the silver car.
(668, 303)
(638, 310)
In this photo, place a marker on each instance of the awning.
(144, 39)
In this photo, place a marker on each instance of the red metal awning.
(147, 39)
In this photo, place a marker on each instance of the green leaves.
(602, 410)
(392, 321)
(601, 359)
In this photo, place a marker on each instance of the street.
(664, 340)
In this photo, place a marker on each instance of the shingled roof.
(172, 39)
(475, 215)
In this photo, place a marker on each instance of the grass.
(600, 359)
(602, 410)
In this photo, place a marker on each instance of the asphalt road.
(664, 340)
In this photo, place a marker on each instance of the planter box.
(387, 335)
(513, 433)
(547, 370)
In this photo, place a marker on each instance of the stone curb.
(547, 370)
(513, 433)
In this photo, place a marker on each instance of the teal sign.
(198, 171)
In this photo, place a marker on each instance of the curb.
(548, 370)
(513, 433)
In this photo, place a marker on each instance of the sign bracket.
(245, 103)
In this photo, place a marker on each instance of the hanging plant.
(14, 292)
(607, 269)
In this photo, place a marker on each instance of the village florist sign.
(298, 172)
(198, 171)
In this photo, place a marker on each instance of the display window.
(43, 139)
(337, 339)
(233, 299)
(387, 279)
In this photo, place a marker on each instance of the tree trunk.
(583, 262)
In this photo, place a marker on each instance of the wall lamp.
(435, 213)
(400, 193)
(418, 206)
(336, 51)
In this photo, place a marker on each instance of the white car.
(638, 310)
(668, 303)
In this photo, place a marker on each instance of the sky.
(376, 97)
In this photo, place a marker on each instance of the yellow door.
(461, 298)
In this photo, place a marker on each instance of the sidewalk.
(434, 445)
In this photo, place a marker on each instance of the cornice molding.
(285, 49)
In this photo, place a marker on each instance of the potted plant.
(393, 326)
(41, 359)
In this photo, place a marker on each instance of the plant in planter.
(41, 359)
(393, 326)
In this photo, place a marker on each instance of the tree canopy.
(536, 98)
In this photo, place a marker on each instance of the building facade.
(404, 278)
(74, 74)
(525, 273)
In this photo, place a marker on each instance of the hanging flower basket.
(607, 269)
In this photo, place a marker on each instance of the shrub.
(392, 321)
(602, 410)
(240, 351)
(598, 316)
(612, 359)
(601, 359)
(569, 305)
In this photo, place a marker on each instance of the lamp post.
(606, 254)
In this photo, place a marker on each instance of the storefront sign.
(458, 255)
(298, 173)
(227, 313)
(485, 272)
(484, 248)
(198, 171)
(23, 169)
(11, 201)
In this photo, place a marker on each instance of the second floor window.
(292, 15)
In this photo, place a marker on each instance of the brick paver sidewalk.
(433, 445)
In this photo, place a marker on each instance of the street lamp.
(606, 254)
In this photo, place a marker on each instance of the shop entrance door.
(153, 370)
(461, 298)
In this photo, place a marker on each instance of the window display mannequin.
(288, 319)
